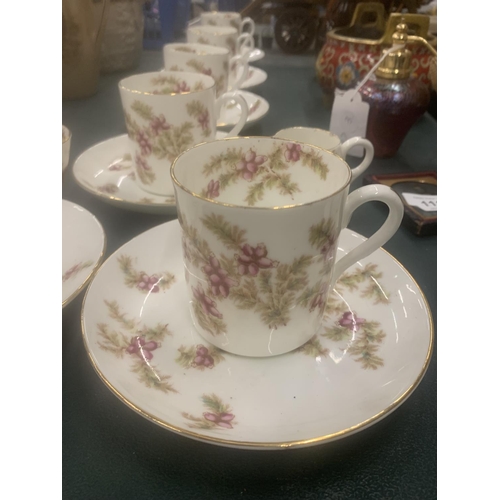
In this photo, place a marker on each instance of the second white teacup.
(207, 60)
(233, 19)
(221, 36)
(167, 112)
(331, 142)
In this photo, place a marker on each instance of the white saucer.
(258, 107)
(256, 55)
(255, 77)
(106, 171)
(138, 334)
(83, 247)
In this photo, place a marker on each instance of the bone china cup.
(221, 36)
(233, 19)
(208, 60)
(166, 113)
(326, 140)
(261, 219)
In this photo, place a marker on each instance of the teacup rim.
(229, 29)
(314, 129)
(218, 51)
(175, 73)
(281, 207)
(233, 13)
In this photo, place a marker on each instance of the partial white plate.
(106, 171)
(83, 247)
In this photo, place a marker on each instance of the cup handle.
(240, 61)
(250, 22)
(374, 192)
(233, 96)
(369, 152)
(245, 39)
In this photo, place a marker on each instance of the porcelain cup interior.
(251, 162)
(314, 136)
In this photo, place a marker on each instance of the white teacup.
(167, 112)
(260, 229)
(208, 60)
(66, 145)
(232, 19)
(221, 36)
(326, 140)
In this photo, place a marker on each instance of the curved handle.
(250, 22)
(244, 40)
(233, 96)
(102, 24)
(239, 61)
(369, 153)
(374, 192)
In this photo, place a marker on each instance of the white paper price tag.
(427, 202)
(349, 118)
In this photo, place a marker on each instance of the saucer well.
(83, 247)
(106, 171)
(371, 353)
(258, 107)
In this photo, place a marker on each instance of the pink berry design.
(328, 249)
(141, 348)
(149, 283)
(254, 258)
(158, 124)
(144, 144)
(207, 304)
(213, 189)
(292, 152)
(220, 282)
(249, 165)
(203, 120)
(220, 419)
(203, 358)
(351, 321)
(319, 299)
(182, 87)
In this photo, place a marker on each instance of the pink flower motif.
(320, 298)
(213, 189)
(202, 357)
(149, 283)
(249, 165)
(203, 120)
(182, 87)
(144, 143)
(159, 123)
(351, 321)
(141, 348)
(292, 151)
(328, 249)
(207, 71)
(141, 163)
(219, 279)
(220, 419)
(254, 258)
(206, 303)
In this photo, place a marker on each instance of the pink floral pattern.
(199, 357)
(126, 339)
(207, 304)
(251, 259)
(263, 172)
(219, 415)
(74, 270)
(144, 282)
(220, 281)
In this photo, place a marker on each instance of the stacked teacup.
(166, 113)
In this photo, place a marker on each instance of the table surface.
(109, 451)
